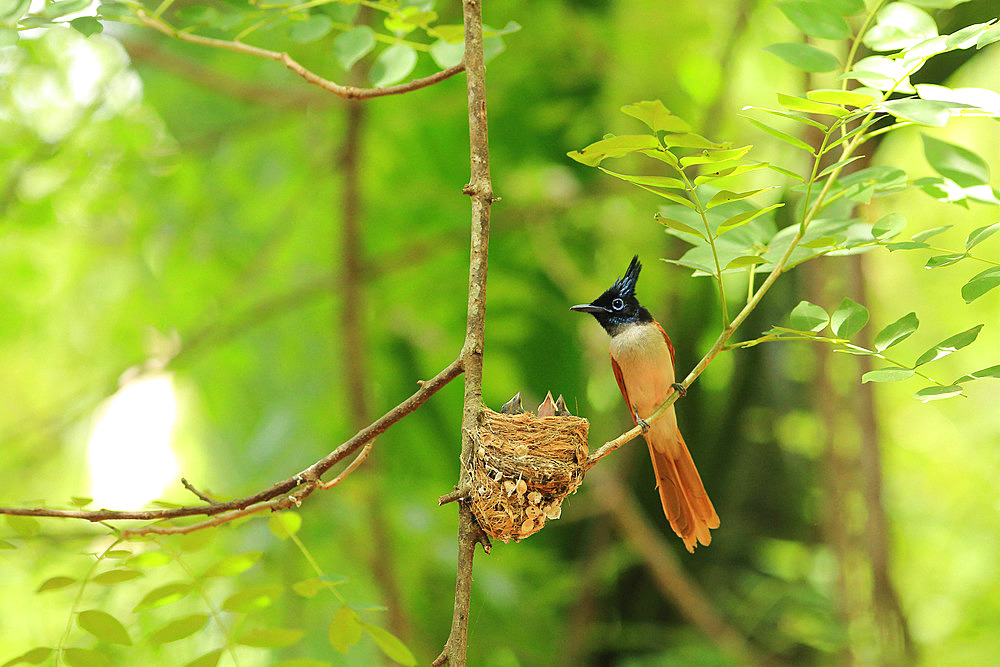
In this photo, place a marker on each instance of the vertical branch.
(480, 190)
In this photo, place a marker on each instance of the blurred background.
(212, 269)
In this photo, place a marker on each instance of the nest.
(522, 469)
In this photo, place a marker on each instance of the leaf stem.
(79, 596)
(711, 240)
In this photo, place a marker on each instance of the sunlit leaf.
(104, 626)
(54, 10)
(896, 332)
(906, 245)
(744, 261)
(726, 196)
(284, 524)
(351, 46)
(313, 28)
(842, 97)
(164, 595)
(899, 25)
(815, 19)
(944, 260)
(980, 234)
(345, 629)
(81, 501)
(804, 56)
(194, 541)
(149, 559)
(653, 181)
(981, 283)
(679, 226)
(783, 136)
(86, 657)
(887, 375)
(393, 65)
(390, 645)
(930, 233)
(991, 372)
(949, 345)
(447, 54)
(112, 577)
(178, 629)
(55, 583)
(714, 156)
(935, 393)
(610, 147)
(959, 164)
(849, 318)
(656, 116)
(839, 165)
(86, 25)
(210, 659)
(234, 564)
(808, 317)
(743, 218)
(12, 10)
(889, 226)
(35, 656)
(25, 526)
(882, 74)
(809, 106)
(251, 599)
(925, 112)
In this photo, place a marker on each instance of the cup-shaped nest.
(523, 467)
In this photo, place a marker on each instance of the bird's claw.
(643, 424)
(680, 389)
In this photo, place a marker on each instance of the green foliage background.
(189, 201)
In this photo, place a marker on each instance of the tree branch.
(310, 477)
(481, 191)
(348, 92)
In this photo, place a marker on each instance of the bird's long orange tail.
(685, 501)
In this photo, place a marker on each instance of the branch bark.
(480, 190)
(310, 477)
(348, 92)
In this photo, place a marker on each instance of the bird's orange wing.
(670, 346)
(621, 386)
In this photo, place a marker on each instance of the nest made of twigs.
(523, 467)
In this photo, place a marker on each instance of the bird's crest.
(625, 286)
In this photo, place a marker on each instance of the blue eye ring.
(617, 304)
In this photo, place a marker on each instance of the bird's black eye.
(617, 304)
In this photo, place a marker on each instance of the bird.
(561, 409)
(513, 406)
(548, 407)
(642, 358)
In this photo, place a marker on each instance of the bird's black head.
(618, 305)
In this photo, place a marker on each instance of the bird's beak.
(589, 308)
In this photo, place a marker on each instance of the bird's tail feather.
(685, 501)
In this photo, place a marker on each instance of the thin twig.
(310, 475)
(348, 92)
(480, 190)
(190, 487)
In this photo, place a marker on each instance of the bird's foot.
(643, 424)
(680, 389)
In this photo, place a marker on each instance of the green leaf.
(714, 156)
(178, 629)
(345, 629)
(393, 65)
(935, 393)
(8, 36)
(656, 116)
(949, 345)
(944, 260)
(4, 544)
(849, 318)
(808, 317)
(988, 37)
(977, 236)
(308, 588)
(815, 19)
(25, 526)
(991, 372)
(447, 54)
(86, 25)
(351, 46)
(887, 375)
(270, 637)
(80, 501)
(55, 583)
(164, 595)
(842, 97)
(679, 226)
(888, 226)
(313, 28)
(930, 233)
(744, 261)
(804, 56)
(284, 524)
(510, 28)
(798, 118)
(981, 283)
(881, 73)
(786, 172)
(821, 242)
(252, 599)
(783, 136)
(149, 559)
(86, 657)
(56, 9)
(112, 577)
(925, 112)
(838, 165)
(233, 565)
(196, 15)
(899, 25)
(104, 626)
(896, 332)
(906, 245)
(809, 106)
(114, 11)
(390, 645)
(743, 218)
(726, 196)
(196, 541)
(846, 7)
(959, 164)
(35, 656)
(210, 659)
(677, 199)
(610, 147)
(12, 10)
(652, 181)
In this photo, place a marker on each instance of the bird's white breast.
(644, 358)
